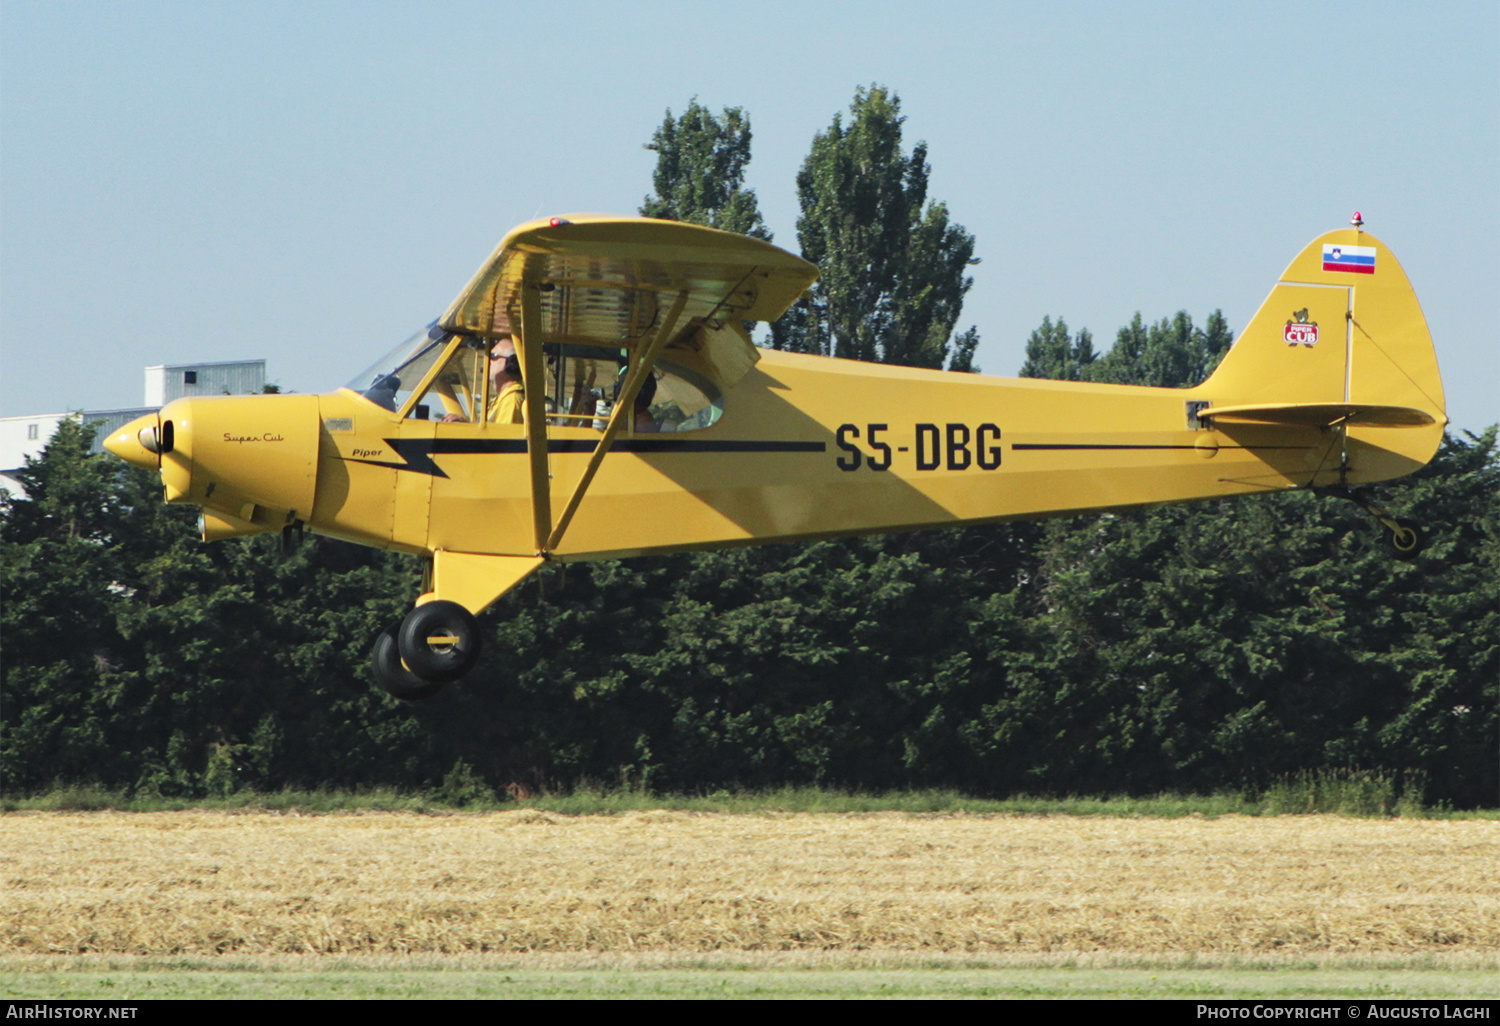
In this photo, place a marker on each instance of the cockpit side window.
(584, 382)
(581, 383)
(457, 393)
(685, 400)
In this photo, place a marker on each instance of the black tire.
(1406, 541)
(393, 677)
(433, 660)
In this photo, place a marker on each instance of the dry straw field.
(206, 883)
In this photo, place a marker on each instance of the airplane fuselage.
(807, 447)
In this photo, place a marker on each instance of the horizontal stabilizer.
(1319, 414)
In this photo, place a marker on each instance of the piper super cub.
(592, 394)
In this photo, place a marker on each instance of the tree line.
(1200, 647)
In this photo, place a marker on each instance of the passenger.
(642, 423)
(645, 424)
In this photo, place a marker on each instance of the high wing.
(604, 280)
(638, 284)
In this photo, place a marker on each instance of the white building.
(25, 436)
(239, 377)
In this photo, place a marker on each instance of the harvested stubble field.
(214, 883)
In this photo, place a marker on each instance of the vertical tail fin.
(1341, 340)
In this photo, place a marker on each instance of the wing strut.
(624, 411)
(534, 375)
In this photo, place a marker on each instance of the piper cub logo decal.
(1300, 331)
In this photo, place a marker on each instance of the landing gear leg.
(1403, 538)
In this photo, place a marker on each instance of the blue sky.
(310, 182)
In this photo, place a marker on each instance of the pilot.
(507, 394)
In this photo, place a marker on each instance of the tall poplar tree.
(700, 171)
(893, 266)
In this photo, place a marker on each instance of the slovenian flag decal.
(1354, 259)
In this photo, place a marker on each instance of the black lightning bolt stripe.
(417, 453)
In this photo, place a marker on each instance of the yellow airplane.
(592, 394)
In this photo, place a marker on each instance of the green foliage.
(138, 657)
(1349, 792)
(462, 786)
(1051, 353)
(1172, 353)
(893, 268)
(961, 356)
(700, 171)
(70, 798)
(1309, 792)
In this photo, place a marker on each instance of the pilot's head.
(505, 367)
(647, 395)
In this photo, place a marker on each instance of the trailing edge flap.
(1320, 414)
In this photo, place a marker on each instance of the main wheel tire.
(392, 676)
(1405, 541)
(439, 641)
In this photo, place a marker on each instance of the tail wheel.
(1405, 540)
(392, 675)
(439, 641)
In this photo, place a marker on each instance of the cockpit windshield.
(389, 380)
